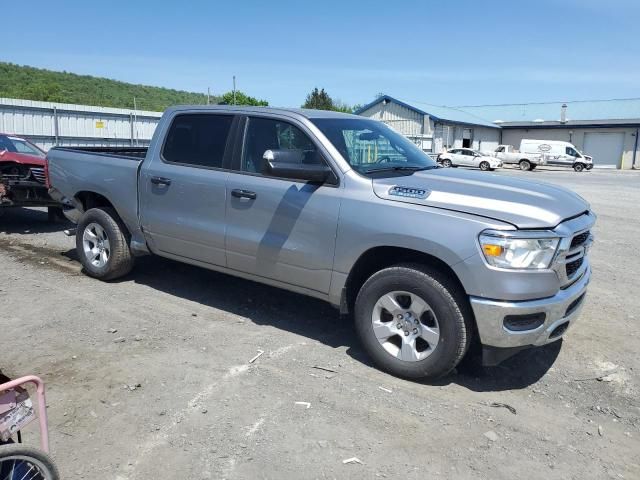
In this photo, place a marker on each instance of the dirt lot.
(171, 393)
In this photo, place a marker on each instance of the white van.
(557, 153)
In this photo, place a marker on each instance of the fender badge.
(410, 192)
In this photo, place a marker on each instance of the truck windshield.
(372, 147)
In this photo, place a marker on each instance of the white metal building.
(436, 128)
(48, 124)
(607, 130)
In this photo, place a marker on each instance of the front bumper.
(560, 312)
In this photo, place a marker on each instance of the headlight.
(526, 251)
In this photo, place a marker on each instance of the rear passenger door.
(182, 188)
(278, 228)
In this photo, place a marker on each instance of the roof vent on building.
(563, 113)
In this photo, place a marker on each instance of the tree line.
(18, 81)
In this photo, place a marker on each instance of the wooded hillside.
(30, 83)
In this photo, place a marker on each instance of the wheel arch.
(380, 257)
(87, 200)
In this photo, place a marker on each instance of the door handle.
(160, 181)
(240, 193)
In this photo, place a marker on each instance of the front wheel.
(589, 166)
(18, 462)
(446, 163)
(578, 167)
(484, 166)
(410, 320)
(525, 165)
(102, 245)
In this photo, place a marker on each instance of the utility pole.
(234, 89)
(208, 95)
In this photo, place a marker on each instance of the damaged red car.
(22, 175)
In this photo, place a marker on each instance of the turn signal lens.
(492, 250)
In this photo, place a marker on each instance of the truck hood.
(523, 203)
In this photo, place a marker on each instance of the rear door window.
(198, 139)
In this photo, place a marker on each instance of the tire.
(10, 455)
(589, 166)
(485, 167)
(578, 167)
(107, 234)
(447, 163)
(449, 312)
(532, 167)
(525, 165)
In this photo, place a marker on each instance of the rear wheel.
(410, 320)
(484, 166)
(525, 165)
(446, 163)
(102, 244)
(18, 462)
(578, 167)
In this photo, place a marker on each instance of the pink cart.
(19, 462)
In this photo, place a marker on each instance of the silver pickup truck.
(427, 260)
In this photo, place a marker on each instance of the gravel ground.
(149, 377)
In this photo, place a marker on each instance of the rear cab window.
(198, 139)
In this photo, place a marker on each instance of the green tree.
(242, 99)
(321, 100)
(318, 100)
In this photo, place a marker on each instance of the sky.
(462, 52)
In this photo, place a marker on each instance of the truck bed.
(108, 171)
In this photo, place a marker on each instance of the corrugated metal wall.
(402, 119)
(48, 124)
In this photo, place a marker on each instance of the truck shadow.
(317, 320)
(27, 221)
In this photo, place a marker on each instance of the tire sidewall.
(99, 216)
(446, 163)
(578, 167)
(524, 165)
(484, 166)
(448, 314)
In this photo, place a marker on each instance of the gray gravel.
(172, 394)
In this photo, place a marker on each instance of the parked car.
(558, 153)
(510, 155)
(22, 176)
(467, 157)
(428, 260)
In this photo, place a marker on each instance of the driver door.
(279, 228)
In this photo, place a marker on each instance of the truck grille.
(572, 267)
(38, 174)
(580, 239)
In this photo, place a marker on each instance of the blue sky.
(462, 52)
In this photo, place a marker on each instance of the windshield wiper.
(400, 169)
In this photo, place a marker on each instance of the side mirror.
(287, 164)
(3, 151)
